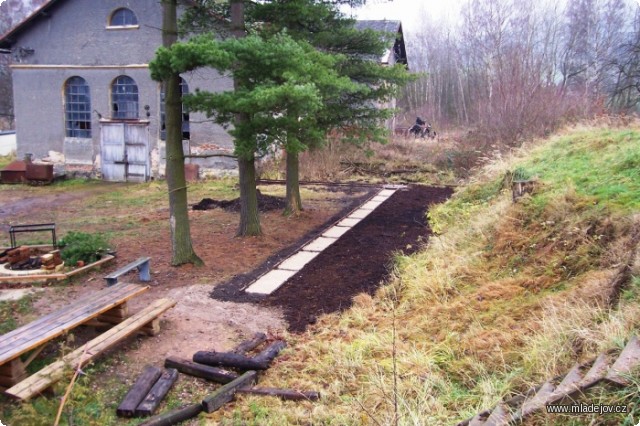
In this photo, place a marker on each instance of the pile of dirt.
(265, 203)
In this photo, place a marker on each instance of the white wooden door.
(124, 148)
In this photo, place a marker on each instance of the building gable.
(80, 32)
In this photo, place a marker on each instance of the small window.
(123, 18)
(124, 98)
(186, 134)
(77, 108)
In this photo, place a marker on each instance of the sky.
(408, 11)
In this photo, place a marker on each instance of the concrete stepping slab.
(335, 232)
(568, 385)
(597, 372)
(360, 214)
(538, 400)
(380, 198)
(319, 244)
(500, 416)
(387, 192)
(270, 282)
(371, 205)
(298, 260)
(479, 419)
(628, 360)
(348, 222)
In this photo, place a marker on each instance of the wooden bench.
(43, 379)
(108, 305)
(141, 263)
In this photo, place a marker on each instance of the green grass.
(10, 312)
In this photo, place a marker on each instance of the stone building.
(84, 99)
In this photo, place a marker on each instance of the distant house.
(84, 99)
(395, 54)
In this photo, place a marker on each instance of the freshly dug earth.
(266, 203)
(358, 262)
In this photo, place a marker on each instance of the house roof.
(6, 38)
(384, 25)
(387, 26)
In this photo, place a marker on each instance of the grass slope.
(507, 296)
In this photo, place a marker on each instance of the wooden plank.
(200, 370)
(53, 315)
(229, 359)
(226, 393)
(286, 394)
(44, 378)
(138, 391)
(174, 417)
(270, 352)
(153, 399)
(33, 336)
(103, 296)
(251, 344)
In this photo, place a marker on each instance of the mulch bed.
(358, 262)
(265, 203)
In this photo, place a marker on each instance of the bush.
(82, 246)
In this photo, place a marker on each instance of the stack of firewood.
(148, 391)
(22, 258)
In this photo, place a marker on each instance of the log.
(153, 399)
(286, 394)
(226, 393)
(229, 359)
(194, 369)
(138, 391)
(251, 344)
(175, 416)
(270, 352)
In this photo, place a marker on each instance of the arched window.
(186, 134)
(124, 98)
(123, 17)
(77, 108)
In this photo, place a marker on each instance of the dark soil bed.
(358, 262)
(265, 203)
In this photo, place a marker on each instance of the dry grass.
(508, 296)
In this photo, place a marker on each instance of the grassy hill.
(507, 296)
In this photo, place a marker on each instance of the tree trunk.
(249, 218)
(294, 202)
(181, 248)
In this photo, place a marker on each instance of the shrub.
(82, 246)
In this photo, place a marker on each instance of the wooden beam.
(286, 394)
(174, 417)
(226, 393)
(159, 390)
(138, 391)
(194, 369)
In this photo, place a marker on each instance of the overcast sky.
(410, 12)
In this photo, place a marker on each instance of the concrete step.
(479, 419)
(501, 415)
(628, 360)
(596, 373)
(538, 401)
(568, 385)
